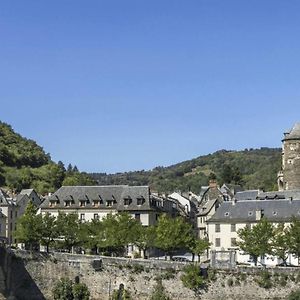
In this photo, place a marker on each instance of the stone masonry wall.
(46, 270)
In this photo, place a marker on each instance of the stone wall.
(138, 276)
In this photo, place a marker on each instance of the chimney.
(259, 214)
(213, 183)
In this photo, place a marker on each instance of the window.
(233, 242)
(217, 228)
(156, 217)
(233, 228)
(11, 226)
(67, 203)
(82, 203)
(96, 203)
(140, 201)
(109, 203)
(82, 217)
(137, 217)
(96, 217)
(218, 242)
(127, 201)
(11, 214)
(248, 225)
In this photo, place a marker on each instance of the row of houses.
(217, 213)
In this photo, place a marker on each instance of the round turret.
(291, 159)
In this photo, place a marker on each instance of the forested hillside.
(253, 168)
(24, 164)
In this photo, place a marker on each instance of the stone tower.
(289, 176)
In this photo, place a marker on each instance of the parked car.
(287, 264)
(181, 258)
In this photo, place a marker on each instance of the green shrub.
(158, 292)
(230, 282)
(243, 277)
(168, 274)
(212, 274)
(137, 269)
(66, 290)
(192, 279)
(283, 279)
(121, 293)
(294, 295)
(264, 280)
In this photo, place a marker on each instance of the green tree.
(49, 230)
(68, 229)
(257, 241)
(172, 234)
(294, 237)
(118, 231)
(199, 246)
(145, 238)
(29, 227)
(280, 242)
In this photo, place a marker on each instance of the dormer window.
(127, 201)
(96, 203)
(140, 200)
(250, 213)
(82, 203)
(274, 213)
(226, 214)
(67, 203)
(109, 203)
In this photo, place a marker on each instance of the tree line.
(266, 238)
(110, 235)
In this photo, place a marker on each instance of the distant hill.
(24, 164)
(251, 168)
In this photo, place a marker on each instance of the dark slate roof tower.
(289, 177)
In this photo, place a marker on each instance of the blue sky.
(126, 85)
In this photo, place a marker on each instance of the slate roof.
(295, 194)
(247, 195)
(294, 134)
(26, 191)
(114, 193)
(20, 197)
(3, 198)
(245, 211)
(205, 208)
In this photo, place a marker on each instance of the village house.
(11, 208)
(231, 216)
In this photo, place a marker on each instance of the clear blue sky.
(126, 85)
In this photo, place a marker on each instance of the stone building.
(95, 202)
(233, 215)
(11, 208)
(289, 176)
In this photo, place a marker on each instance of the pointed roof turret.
(294, 134)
